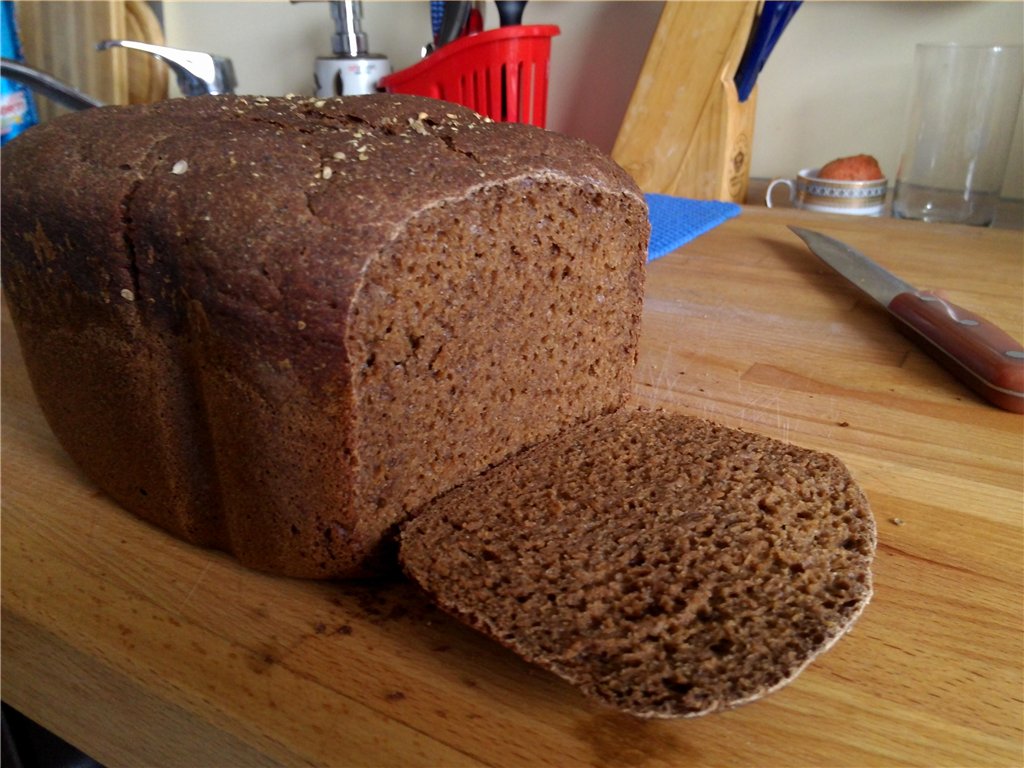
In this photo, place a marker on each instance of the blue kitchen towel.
(678, 220)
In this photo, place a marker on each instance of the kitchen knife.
(977, 352)
(456, 12)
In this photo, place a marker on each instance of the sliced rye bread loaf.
(664, 565)
(279, 325)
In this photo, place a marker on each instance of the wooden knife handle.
(977, 352)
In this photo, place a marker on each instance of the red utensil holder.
(501, 73)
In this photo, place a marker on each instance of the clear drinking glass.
(962, 114)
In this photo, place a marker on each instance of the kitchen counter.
(142, 650)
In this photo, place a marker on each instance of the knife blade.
(980, 354)
(456, 12)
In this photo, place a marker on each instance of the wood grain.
(60, 38)
(143, 650)
(147, 76)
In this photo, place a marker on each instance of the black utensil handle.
(510, 12)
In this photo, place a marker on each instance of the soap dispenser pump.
(352, 69)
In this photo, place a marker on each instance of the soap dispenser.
(352, 69)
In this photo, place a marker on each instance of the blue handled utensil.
(436, 17)
(775, 15)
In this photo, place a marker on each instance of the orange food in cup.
(855, 168)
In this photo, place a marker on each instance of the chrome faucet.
(198, 74)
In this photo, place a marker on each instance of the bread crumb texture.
(277, 325)
(665, 565)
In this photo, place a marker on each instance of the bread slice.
(665, 565)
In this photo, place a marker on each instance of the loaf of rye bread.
(664, 565)
(277, 326)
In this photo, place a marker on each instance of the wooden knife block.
(685, 131)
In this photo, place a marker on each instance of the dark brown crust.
(665, 565)
(182, 275)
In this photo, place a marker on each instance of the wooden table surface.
(145, 651)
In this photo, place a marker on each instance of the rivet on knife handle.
(981, 355)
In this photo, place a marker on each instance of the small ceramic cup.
(855, 198)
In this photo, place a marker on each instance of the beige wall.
(840, 78)
(835, 85)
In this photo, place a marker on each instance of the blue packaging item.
(17, 108)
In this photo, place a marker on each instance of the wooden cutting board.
(143, 650)
(60, 38)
